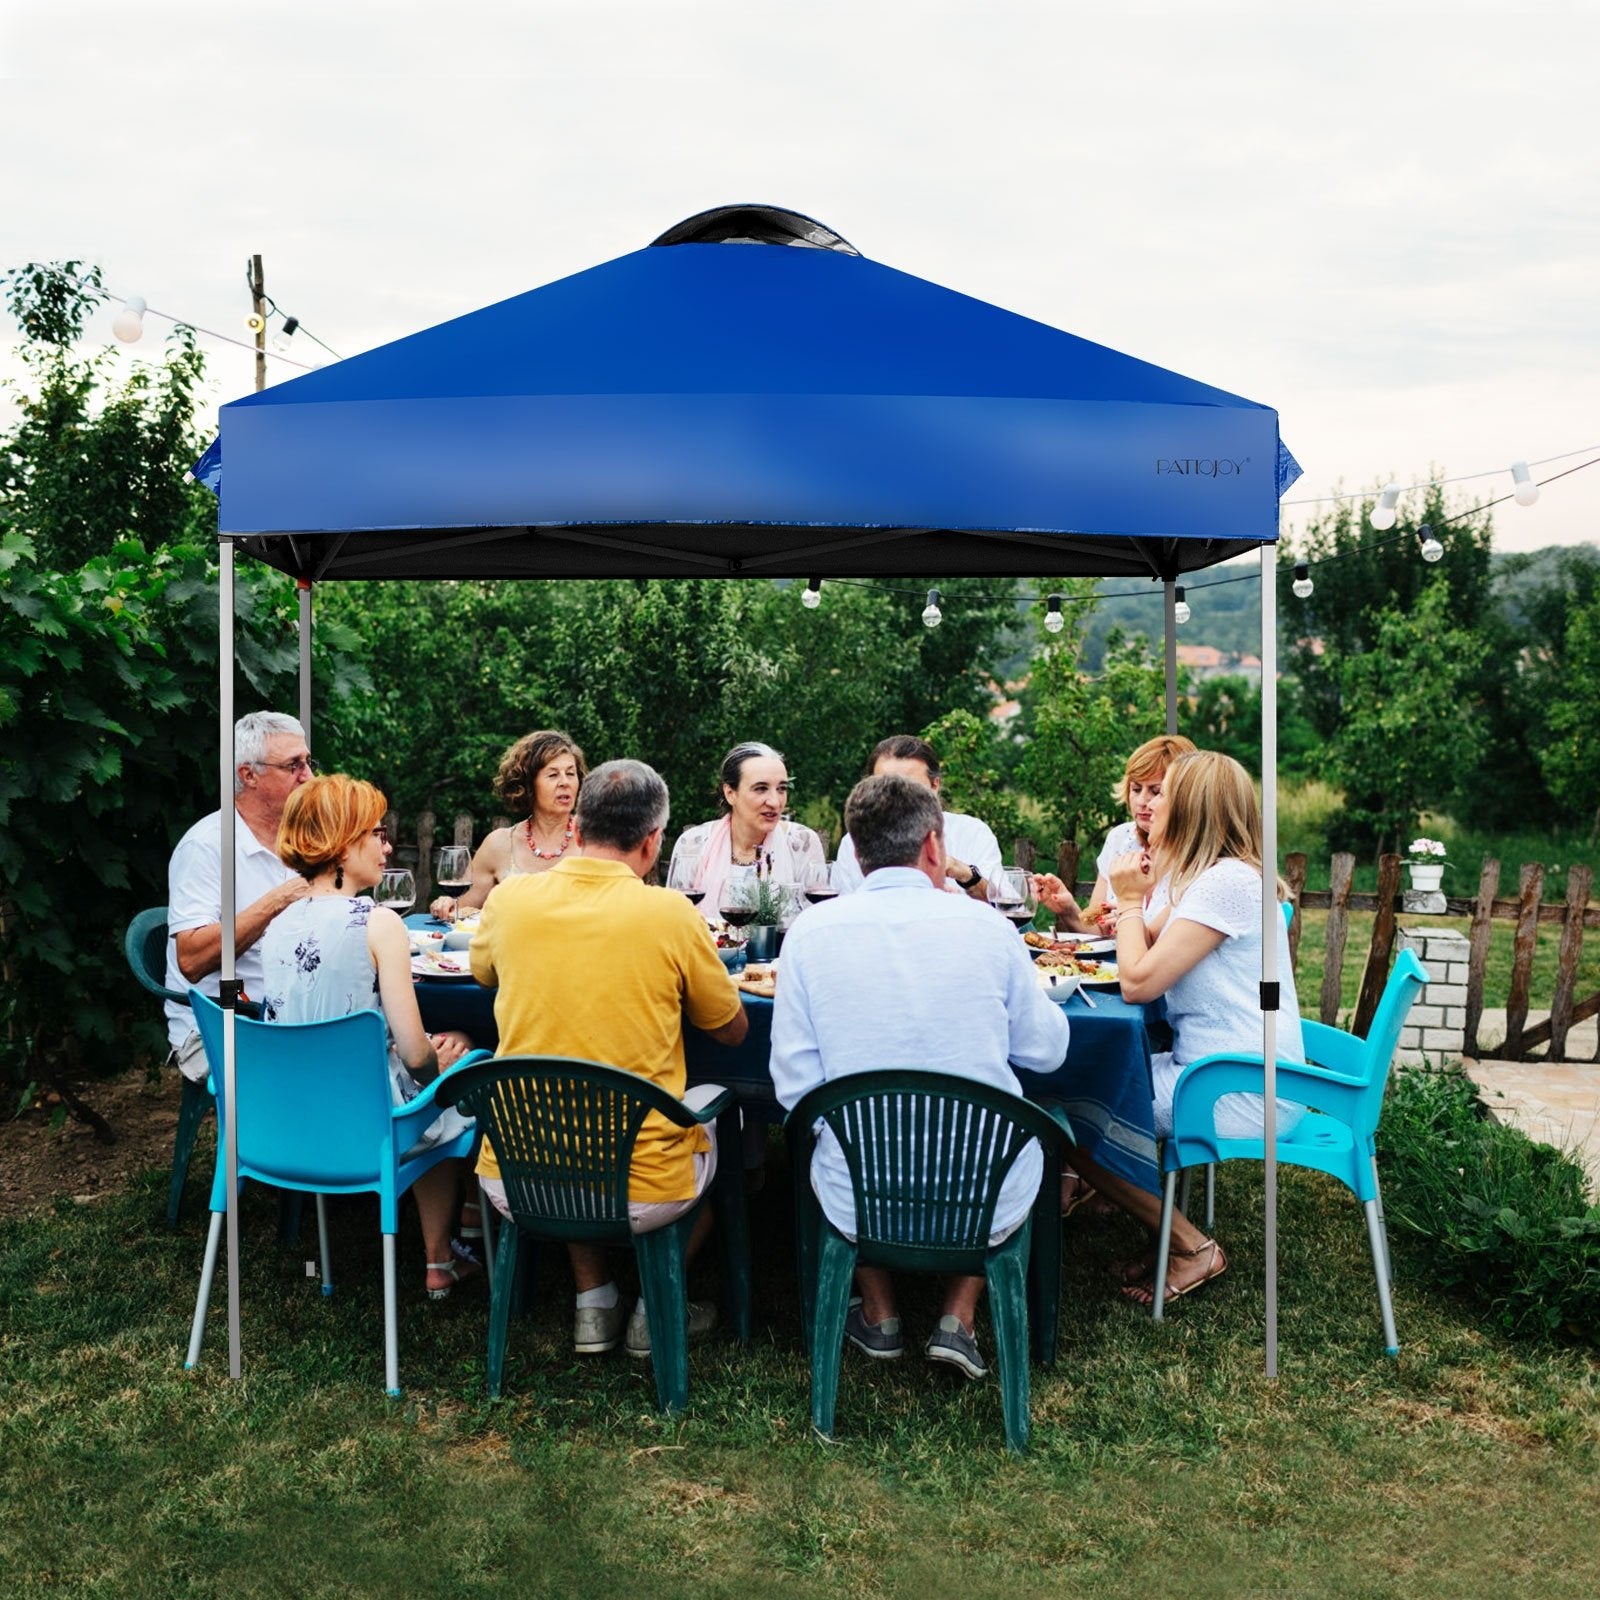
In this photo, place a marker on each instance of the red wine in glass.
(1019, 914)
(738, 916)
(817, 896)
(693, 896)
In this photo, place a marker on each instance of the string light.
(812, 598)
(128, 324)
(1524, 491)
(1432, 550)
(932, 616)
(1180, 607)
(1302, 580)
(1054, 622)
(1383, 514)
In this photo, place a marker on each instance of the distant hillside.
(1226, 613)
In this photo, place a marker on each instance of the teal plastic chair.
(145, 945)
(1287, 908)
(315, 1116)
(935, 1215)
(1344, 1081)
(563, 1132)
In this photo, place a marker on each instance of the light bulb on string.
(280, 340)
(128, 324)
(1383, 514)
(1524, 490)
(1432, 550)
(1180, 607)
(1054, 622)
(812, 597)
(932, 616)
(1302, 581)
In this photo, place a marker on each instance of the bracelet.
(1122, 916)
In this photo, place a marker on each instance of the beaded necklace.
(548, 855)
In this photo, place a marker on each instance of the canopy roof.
(722, 403)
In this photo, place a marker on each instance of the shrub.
(1508, 1219)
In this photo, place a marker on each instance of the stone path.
(1556, 1102)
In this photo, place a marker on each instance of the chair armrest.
(1334, 1048)
(712, 1109)
(1202, 1083)
(471, 1059)
(419, 1112)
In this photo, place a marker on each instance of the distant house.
(1206, 661)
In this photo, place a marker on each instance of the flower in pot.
(1425, 863)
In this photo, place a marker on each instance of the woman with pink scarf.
(751, 833)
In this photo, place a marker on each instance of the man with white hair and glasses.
(272, 760)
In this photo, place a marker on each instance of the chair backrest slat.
(563, 1133)
(927, 1153)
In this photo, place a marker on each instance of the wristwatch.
(972, 882)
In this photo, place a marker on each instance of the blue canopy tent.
(748, 396)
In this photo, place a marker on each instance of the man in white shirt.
(903, 975)
(972, 853)
(273, 760)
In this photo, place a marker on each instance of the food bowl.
(421, 941)
(458, 938)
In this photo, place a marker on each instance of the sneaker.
(951, 1343)
(596, 1329)
(880, 1340)
(702, 1319)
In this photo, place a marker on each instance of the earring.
(338, 876)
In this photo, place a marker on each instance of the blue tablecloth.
(1104, 1084)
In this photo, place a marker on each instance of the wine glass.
(683, 874)
(452, 869)
(738, 907)
(820, 883)
(1011, 894)
(397, 889)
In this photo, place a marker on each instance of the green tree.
(1409, 723)
(92, 463)
(1079, 729)
(1570, 756)
(108, 674)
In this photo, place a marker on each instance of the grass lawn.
(1162, 1457)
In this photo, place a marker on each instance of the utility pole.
(258, 289)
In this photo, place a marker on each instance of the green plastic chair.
(932, 1216)
(563, 1132)
(145, 945)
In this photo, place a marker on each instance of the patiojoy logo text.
(1200, 466)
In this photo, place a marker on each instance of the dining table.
(1103, 1084)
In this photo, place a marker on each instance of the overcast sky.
(1381, 221)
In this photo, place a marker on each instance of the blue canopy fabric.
(718, 409)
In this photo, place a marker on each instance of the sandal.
(1076, 1190)
(455, 1269)
(1136, 1269)
(1143, 1294)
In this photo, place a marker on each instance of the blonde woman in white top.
(1199, 944)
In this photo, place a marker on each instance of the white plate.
(450, 965)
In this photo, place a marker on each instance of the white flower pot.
(1425, 876)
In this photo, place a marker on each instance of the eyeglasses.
(299, 764)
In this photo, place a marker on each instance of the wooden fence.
(1526, 910)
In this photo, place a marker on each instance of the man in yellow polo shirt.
(593, 962)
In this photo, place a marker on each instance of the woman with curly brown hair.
(540, 775)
